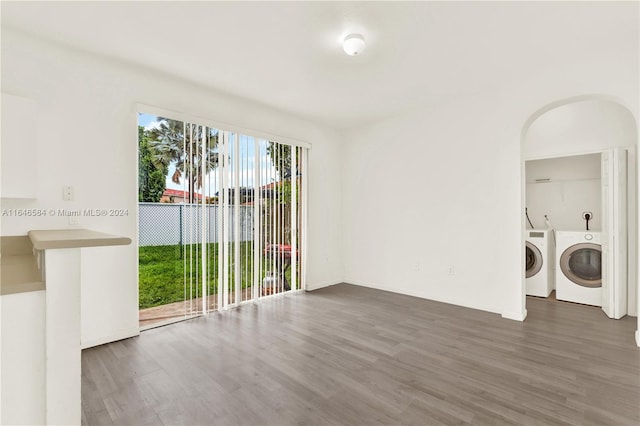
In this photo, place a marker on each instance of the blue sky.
(145, 119)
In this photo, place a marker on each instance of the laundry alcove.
(564, 142)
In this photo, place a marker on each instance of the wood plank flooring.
(347, 355)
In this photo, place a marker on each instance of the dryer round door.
(582, 264)
(533, 259)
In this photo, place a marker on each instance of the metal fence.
(163, 224)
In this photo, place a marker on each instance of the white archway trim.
(571, 100)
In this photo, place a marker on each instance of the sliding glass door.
(232, 209)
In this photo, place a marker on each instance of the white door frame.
(632, 238)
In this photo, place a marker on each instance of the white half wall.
(86, 134)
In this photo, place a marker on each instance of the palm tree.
(181, 144)
(280, 156)
(151, 179)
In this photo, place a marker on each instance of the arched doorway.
(582, 125)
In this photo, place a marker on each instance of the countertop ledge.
(49, 239)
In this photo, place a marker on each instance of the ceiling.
(287, 54)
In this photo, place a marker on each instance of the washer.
(539, 262)
(579, 267)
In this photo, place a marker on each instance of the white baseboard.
(638, 338)
(316, 286)
(121, 334)
(516, 316)
(421, 296)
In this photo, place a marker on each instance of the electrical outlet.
(67, 193)
(452, 270)
(584, 215)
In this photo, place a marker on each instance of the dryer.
(539, 260)
(579, 267)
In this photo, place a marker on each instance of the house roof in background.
(287, 55)
(182, 194)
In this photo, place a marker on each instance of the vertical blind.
(245, 218)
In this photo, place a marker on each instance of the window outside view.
(220, 219)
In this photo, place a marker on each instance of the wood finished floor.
(348, 355)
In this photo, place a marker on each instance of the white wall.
(443, 187)
(23, 359)
(86, 135)
(423, 194)
(573, 188)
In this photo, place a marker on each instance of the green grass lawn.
(162, 271)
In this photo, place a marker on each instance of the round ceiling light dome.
(353, 44)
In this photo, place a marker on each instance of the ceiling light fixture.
(353, 44)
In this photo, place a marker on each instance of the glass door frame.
(299, 193)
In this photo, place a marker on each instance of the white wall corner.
(638, 338)
(317, 286)
(516, 316)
